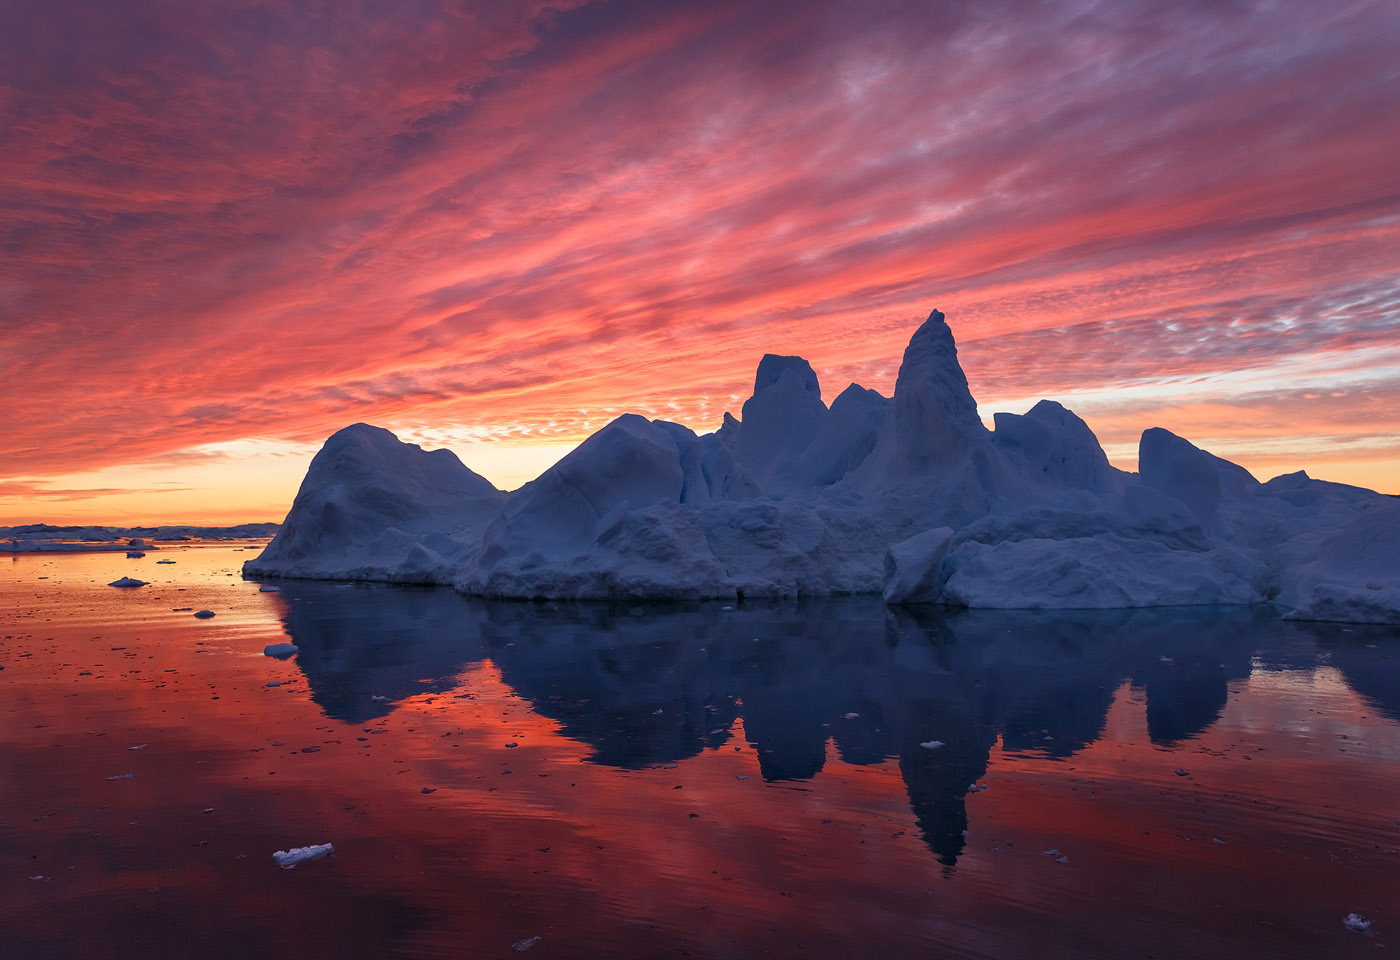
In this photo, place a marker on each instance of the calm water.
(687, 780)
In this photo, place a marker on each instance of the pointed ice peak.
(773, 368)
(934, 414)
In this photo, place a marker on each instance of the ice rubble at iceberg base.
(909, 496)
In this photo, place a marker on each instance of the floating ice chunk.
(280, 650)
(913, 567)
(204, 614)
(139, 746)
(976, 787)
(269, 588)
(1356, 923)
(851, 716)
(127, 582)
(375, 696)
(1182, 773)
(165, 561)
(296, 855)
(123, 776)
(520, 946)
(932, 744)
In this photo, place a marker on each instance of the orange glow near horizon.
(230, 233)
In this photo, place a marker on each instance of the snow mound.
(909, 496)
(372, 507)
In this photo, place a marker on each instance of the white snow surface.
(909, 496)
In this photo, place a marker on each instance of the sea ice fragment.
(296, 855)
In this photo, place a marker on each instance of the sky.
(228, 230)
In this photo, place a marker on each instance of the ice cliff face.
(909, 496)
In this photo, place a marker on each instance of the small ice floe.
(290, 858)
(274, 683)
(1182, 773)
(269, 588)
(139, 746)
(1062, 859)
(1356, 923)
(165, 561)
(976, 787)
(726, 608)
(135, 554)
(123, 776)
(741, 777)
(851, 716)
(1052, 852)
(1166, 659)
(204, 614)
(520, 946)
(280, 650)
(657, 712)
(669, 766)
(375, 696)
(127, 582)
(932, 744)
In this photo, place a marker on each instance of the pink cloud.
(224, 222)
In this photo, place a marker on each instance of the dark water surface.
(681, 780)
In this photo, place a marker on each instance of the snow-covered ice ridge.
(909, 496)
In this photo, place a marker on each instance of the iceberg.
(908, 496)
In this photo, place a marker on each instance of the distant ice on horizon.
(909, 496)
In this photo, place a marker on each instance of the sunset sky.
(227, 230)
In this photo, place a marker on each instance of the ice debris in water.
(520, 946)
(932, 744)
(296, 855)
(280, 650)
(1357, 923)
(127, 582)
(851, 716)
(123, 776)
(976, 787)
(139, 746)
(269, 588)
(204, 614)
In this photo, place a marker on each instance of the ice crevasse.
(909, 496)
